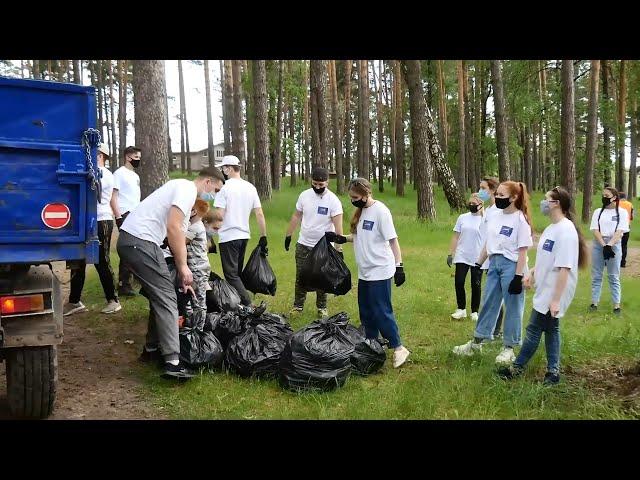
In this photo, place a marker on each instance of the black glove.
(287, 242)
(515, 287)
(262, 243)
(333, 237)
(165, 243)
(119, 222)
(607, 252)
(449, 260)
(399, 277)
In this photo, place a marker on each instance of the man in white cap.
(105, 228)
(236, 200)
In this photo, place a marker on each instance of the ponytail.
(564, 198)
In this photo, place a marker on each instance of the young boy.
(197, 254)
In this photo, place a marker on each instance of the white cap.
(104, 148)
(229, 160)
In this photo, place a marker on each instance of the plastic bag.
(225, 326)
(257, 276)
(368, 355)
(222, 297)
(317, 357)
(196, 319)
(324, 270)
(257, 351)
(200, 348)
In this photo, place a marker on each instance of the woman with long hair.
(508, 239)
(608, 224)
(561, 251)
(379, 259)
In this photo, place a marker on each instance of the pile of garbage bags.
(325, 270)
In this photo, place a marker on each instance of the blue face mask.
(545, 208)
(483, 195)
(207, 196)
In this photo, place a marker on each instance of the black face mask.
(606, 201)
(226, 177)
(359, 203)
(473, 208)
(135, 163)
(319, 191)
(502, 203)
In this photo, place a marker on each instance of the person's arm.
(262, 223)
(453, 245)
(616, 237)
(483, 255)
(221, 211)
(522, 260)
(598, 237)
(395, 248)
(176, 238)
(530, 280)
(561, 284)
(296, 218)
(114, 204)
(337, 223)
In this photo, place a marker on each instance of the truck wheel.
(32, 375)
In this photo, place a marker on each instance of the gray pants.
(232, 259)
(145, 260)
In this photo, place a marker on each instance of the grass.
(435, 385)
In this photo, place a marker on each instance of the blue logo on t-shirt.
(506, 231)
(367, 225)
(323, 210)
(548, 245)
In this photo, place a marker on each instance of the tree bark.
(112, 122)
(237, 127)
(592, 140)
(184, 123)
(442, 108)
(122, 107)
(276, 163)
(100, 88)
(606, 143)
(228, 106)
(337, 140)
(36, 68)
(501, 121)
(306, 122)
(348, 64)
(250, 123)
(568, 129)
(226, 131)
(468, 130)
(420, 142)
(399, 133)
(379, 121)
(77, 72)
(364, 141)
(527, 157)
(477, 122)
(621, 130)
(462, 166)
(207, 87)
(631, 189)
(292, 131)
(262, 164)
(319, 155)
(150, 104)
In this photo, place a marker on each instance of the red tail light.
(21, 304)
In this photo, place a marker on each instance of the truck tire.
(32, 375)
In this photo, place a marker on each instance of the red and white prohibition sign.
(56, 215)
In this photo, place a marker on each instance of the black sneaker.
(153, 357)
(127, 292)
(179, 371)
(509, 372)
(593, 307)
(551, 379)
(617, 311)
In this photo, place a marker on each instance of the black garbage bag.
(257, 276)
(222, 297)
(317, 357)
(368, 355)
(257, 351)
(225, 326)
(324, 270)
(199, 349)
(196, 319)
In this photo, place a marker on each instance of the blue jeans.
(551, 327)
(613, 270)
(376, 312)
(501, 272)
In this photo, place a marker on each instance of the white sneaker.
(71, 308)
(400, 356)
(506, 356)
(458, 314)
(468, 349)
(112, 307)
(474, 316)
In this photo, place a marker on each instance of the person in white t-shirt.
(236, 200)
(561, 251)
(464, 250)
(318, 210)
(379, 259)
(164, 214)
(508, 239)
(105, 228)
(608, 224)
(126, 197)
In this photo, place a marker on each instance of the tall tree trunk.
(337, 140)
(379, 121)
(100, 88)
(150, 104)
(478, 120)
(276, 163)
(501, 121)
(292, 132)
(207, 87)
(621, 130)
(606, 143)
(484, 88)
(364, 141)
(420, 142)
(184, 143)
(237, 127)
(319, 155)
(535, 157)
(262, 166)
(462, 166)
(548, 162)
(442, 108)
(228, 105)
(226, 130)
(122, 107)
(348, 64)
(568, 129)
(631, 189)
(250, 123)
(306, 126)
(36, 69)
(77, 72)
(60, 67)
(470, 160)
(399, 133)
(112, 120)
(527, 157)
(592, 140)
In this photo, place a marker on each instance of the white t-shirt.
(149, 220)
(127, 182)
(608, 221)
(470, 241)
(558, 247)
(317, 214)
(104, 205)
(488, 214)
(238, 197)
(374, 257)
(506, 233)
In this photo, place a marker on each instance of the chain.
(91, 138)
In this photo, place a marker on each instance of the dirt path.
(633, 263)
(96, 378)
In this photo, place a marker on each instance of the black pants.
(124, 274)
(625, 240)
(105, 229)
(232, 258)
(476, 281)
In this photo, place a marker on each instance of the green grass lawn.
(435, 384)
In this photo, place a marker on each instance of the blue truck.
(49, 185)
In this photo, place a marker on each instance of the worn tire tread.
(32, 375)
